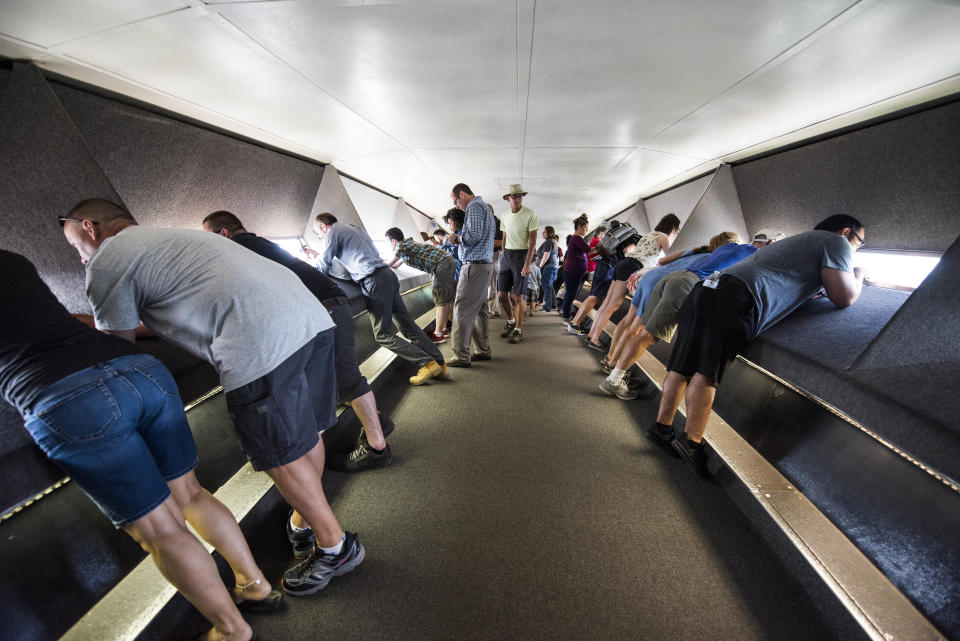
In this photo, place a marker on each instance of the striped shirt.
(420, 256)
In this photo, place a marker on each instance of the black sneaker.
(662, 436)
(301, 541)
(599, 348)
(605, 366)
(362, 457)
(316, 571)
(634, 384)
(515, 335)
(508, 329)
(693, 453)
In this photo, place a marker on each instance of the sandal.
(270, 603)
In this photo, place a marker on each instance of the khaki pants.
(470, 310)
(492, 299)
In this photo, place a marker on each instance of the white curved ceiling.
(591, 104)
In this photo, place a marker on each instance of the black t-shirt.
(319, 284)
(40, 342)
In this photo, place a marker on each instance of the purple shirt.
(576, 261)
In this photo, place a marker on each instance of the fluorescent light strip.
(124, 612)
(873, 601)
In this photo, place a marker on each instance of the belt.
(477, 262)
(329, 303)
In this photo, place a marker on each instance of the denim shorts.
(278, 417)
(118, 429)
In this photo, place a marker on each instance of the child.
(532, 291)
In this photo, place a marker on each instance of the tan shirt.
(516, 228)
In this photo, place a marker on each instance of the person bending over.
(371, 449)
(433, 261)
(269, 338)
(647, 253)
(381, 289)
(722, 315)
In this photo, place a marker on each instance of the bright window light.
(896, 269)
(292, 245)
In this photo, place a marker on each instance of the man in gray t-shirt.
(726, 310)
(269, 338)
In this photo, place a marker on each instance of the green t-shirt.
(516, 228)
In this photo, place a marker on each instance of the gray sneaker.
(620, 390)
(315, 573)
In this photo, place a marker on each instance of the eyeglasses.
(858, 237)
(63, 219)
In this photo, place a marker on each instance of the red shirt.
(592, 264)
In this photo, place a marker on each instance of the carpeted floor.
(525, 504)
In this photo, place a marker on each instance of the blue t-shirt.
(721, 258)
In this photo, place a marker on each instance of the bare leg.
(216, 524)
(183, 560)
(521, 306)
(633, 349)
(443, 314)
(300, 484)
(700, 395)
(584, 310)
(623, 327)
(505, 305)
(365, 408)
(673, 388)
(614, 297)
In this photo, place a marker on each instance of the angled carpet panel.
(635, 216)
(717, 210)
(45, 168)
(403, 217)
(172, 174)
(680, 201)
(331, 197)
(898, 178)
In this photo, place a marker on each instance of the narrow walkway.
(524, 504)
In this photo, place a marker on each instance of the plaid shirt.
(421, 255)
(476, 237)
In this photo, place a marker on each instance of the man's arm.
(472, 225)
(328, 251)
(395, 262)
(666, 260)
(842, 287)
(126, 334)
(531, 245)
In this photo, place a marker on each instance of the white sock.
(336, 549)
(293, 527)
(616, 375)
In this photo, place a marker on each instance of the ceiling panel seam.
(852, 11)
(199, 11)
(526, 108)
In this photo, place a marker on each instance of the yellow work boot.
(425, 373)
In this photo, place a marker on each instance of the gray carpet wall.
(899, 178)
(172, 174)
(45, 168)
(680, 201)
(717, 210)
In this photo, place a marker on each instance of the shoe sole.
(343, 569)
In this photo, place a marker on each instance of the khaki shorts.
(444, 285)
(660, 315)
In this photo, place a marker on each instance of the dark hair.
(837, 222)
(668, 224)
(461, 187)
(440, 232)
(551, 232)
(599, 230)
(326, 218)
(580, 221)
(394, 233)
(223, 219)
(456, 215)
(101, 210)
(615, 224)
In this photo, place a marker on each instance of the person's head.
(440, 236)
(668, 225)
(92, 221)
(461, 195)
(580, 224)
(454, 218)
(514, 196)
(600, 232)
(766, 237)
(394, 236)
(549, 232)
(847, 226)
(723, 238)
(224, 223)
(323, 222)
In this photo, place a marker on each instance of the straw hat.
(515, 190)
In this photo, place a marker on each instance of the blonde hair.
(723, 238)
